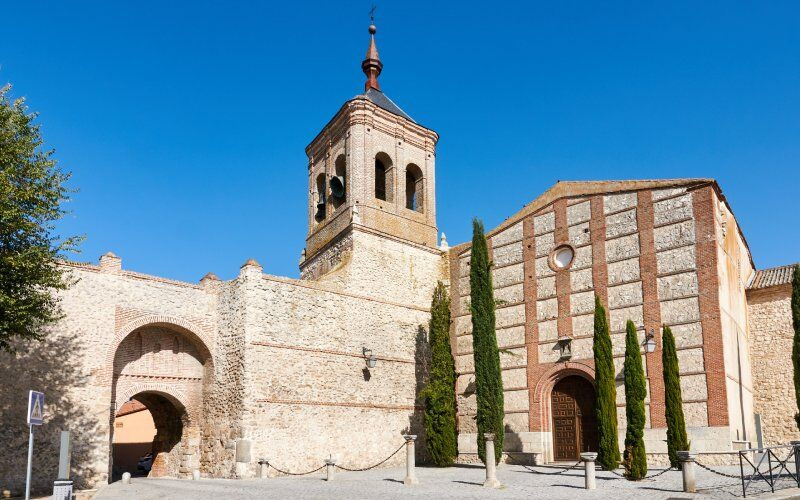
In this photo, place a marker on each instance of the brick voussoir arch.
(548, 380)
(193, 331)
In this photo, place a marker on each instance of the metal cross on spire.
(372, 13)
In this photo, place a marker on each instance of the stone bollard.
(195, 474)
(796, 445)
(491, 477)
(588, 469)
(263, 468)
(126, 478)
(330, 468)
(687, 459)
(411, 474)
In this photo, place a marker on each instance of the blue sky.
(184, 123)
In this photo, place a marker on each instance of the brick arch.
(548, 380)
(194, 332)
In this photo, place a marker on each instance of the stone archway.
(168, 369)
(574, 420)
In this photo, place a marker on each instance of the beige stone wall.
(73, 366)
(771, 334)
(309, 392)
(735, 272)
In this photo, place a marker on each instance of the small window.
(562, 257)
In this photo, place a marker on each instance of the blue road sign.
(35, 408)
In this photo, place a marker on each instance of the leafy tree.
(796, 346)
(488, 381)
(676, 425)
(439, 394)
(635, 393)
(32, 191)
(606, 407)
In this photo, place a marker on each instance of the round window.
(562, 257)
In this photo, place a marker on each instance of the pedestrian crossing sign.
(35, 408)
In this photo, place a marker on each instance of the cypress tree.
(676, 425)
(635, 393)
(439, 393)
(606, 404)
(796, 343)
(488, 381)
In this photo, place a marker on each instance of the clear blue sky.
(185, 123)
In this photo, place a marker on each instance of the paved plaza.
(453, 482)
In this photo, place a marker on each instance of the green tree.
(673, 400)
(439, 393)
(488, 381)
(635, 458)
(32, 191)
(606, 405)
(796, 346)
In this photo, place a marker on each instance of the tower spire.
(372, 65)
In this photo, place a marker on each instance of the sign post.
(35, 417)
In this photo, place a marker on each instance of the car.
(145, 463)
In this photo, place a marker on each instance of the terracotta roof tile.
(775, 276)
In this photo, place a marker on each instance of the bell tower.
(371, 187)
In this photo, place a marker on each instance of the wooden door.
(574, 421)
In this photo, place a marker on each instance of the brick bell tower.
(371, 192)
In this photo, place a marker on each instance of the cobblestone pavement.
(453, 482)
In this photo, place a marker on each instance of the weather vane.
(372, 13)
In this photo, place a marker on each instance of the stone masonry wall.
(771, 334)
(73, 366)
(637, 251)
(309, 391)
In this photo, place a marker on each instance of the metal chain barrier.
(372, 466)
(709, 469)
(296, 473)
(571, 467)
(651, 476)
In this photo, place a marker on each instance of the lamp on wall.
(565, 348)
(371, 359)
(650, 341)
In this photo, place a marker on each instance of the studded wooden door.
(574, 421)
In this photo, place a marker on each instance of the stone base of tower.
(367, 263)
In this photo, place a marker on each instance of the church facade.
(298, 370)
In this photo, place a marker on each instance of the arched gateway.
(574, 422)
(165, 367)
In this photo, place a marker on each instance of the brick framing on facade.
(597, 234)
(531, 323)
(563, 285)
(648, 270)
(708, 281)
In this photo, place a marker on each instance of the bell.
(320, 215)
(337, 187)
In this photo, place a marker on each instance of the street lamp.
(650, 341)
(371, 359)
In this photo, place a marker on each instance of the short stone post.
(796, 445)
(588, 469)
(263, 468)
(195, 474)
(126, 478)
(687, 459)
(411, 474)
(330, 468)
(491, 477)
